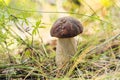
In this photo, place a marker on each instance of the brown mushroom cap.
(66, 27)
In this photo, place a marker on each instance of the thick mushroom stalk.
(65, 50)
(65, 29)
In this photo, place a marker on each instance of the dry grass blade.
(80, 58)
(102, 44)
(86, 51)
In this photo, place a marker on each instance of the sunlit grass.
(28, 57)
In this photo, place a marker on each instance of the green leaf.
(34, 31)
(27, 53)
(38, 23)
(26, 22)
(42, 27)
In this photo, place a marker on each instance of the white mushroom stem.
(65, 50)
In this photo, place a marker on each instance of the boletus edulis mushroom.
(65, 29)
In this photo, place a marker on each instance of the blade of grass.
(79, 59)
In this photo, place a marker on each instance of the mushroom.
(65, 29)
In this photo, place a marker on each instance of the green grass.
(28, 57)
